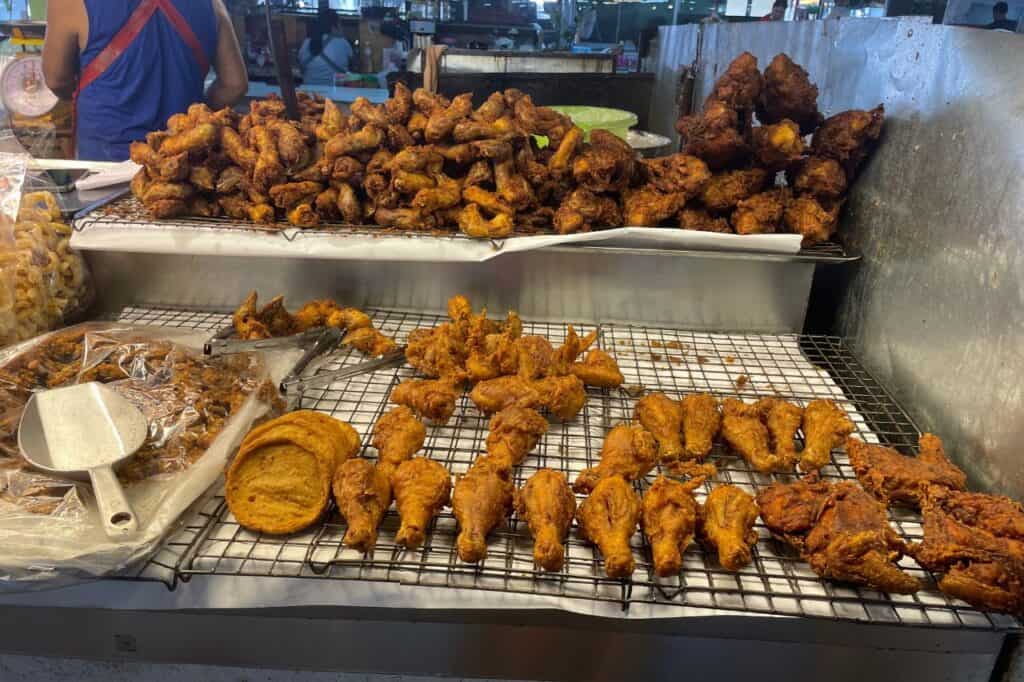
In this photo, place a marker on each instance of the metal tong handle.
(221, 342)
(297, 385)
(115, 512)
(329, 338)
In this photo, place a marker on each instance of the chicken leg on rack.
(608, 518)
(363, 495)
(547, 505)
(669, 521)
(481, 500)
(422, 487)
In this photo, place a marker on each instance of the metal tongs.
(222, 342)
(296, 385)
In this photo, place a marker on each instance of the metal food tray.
(778, 582)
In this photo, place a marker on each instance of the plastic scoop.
(85, 429)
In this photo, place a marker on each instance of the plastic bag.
(12, 177)
(198, 409)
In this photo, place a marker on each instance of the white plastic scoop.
(85, 429)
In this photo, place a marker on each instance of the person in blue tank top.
(131, 64)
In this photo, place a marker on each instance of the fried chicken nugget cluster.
(741, 196)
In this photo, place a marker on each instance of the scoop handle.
(115, 512)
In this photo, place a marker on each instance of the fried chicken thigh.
(547, 505)
(747, 435)
(825, 427)
(663, 417)
(701, 423)
(422, 487)
(398, 435)
(481, 500)
(434, 399)
(363, 493)
(514, 432)
(893, 477)
(789, 510)
(727, 525)
(628, 451)
(608, 518)
(669, 520)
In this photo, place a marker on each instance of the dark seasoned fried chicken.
(727, 525)
(606, 164)
(514, 432)
(788, 93)
(645, 206)
(821, 177)
(714, 136)
(398, 435)
(727, 189)
(815, 220)
(481, 500)
(849, 136)
(701, 422)
(893, 477)
(778, 146)
(677, 174)
(663, 417)
(628, 451)
(669, 520)
(547, 505)
(702, 221)
(363, 493)
(583, 210)
(608, 518)
(789, 510)
(433, 399)
(422, 487)
(825, 427)
(739, 86)
(761, 213)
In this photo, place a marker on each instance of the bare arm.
(232, 80)
(65, 20)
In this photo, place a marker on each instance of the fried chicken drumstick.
(608, 518)
(669, 520)
(363, 493)
(481, 500)
(422, 487)
(398, 435)
(825, 426)
(727, 525)
(701, 423)
(663, 417)
(748, 436)
(628, 451)
(547, 505)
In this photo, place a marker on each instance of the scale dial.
(24, 90)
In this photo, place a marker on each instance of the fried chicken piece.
(363, 495)
(714, 136)
(366, 112)
(163, 191)
(494, 395)
(788, 93)
(700, 220)
(628, 451)
(747, 435)
(892, 477)
(599, 369)
(669, 520)
(429, 102)
(202, 136)
(367, 138)
(492, 109)
(289, 194)
(504, 128)
(606, 164)
(582, 209)
(370, 341)
(568, 147)
(446, 194)
(403, 218)
(347, 204)
(437, 352)
(433, 399)
(778, 146)
(739, 86)
(397, 435)
(789, 510)
(479, 173)
(663, 417)
(291, 145)
(347, 169)
(473, 223)
(608, 518)
(678, 174)
(514, 432)
(408, 182)
(825, 427)
(246, 320)
(547, 505)
(782, 419)
(852, 541)
(303, 216)
(203, 206)
(701, 422)
(511, 186)
(978, 541)
(398, 107)
(441, 122)
(422, 487)
(268, 170)
(481, 500)
(814, 220)
(332, 121)
(562, 396)
(725, 190)
(647, 207)
(761, 213)
(848, 137)
(174, 168)
(821, 177)
(276, 318)
(727, 525)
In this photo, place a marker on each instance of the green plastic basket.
(616, 121)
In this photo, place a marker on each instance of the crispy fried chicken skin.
(899, 479)
(701, 423)
(748, 436)
(599, 369)
(608, 518)
(825, 427)
(778, 146)
(727, 189)
(481, 500)
(669, 519)
(363, 493)
(815, 220)
(849, 136)
(433, 399)
(977, 541)
(761, 213)
(789, 510)
(663, 417)
(820, 177)
(788, 94)
(547, 505)
(782, 419)
(398, 435)
(628, 451)
(727, 525)
(699, 219)
(740, 85)
(714, 136)
(422, 487)
(677, 174)
(514, 432)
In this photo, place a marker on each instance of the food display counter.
(627, 348)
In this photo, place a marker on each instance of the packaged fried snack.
(280, 481)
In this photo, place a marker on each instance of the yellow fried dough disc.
(280, 482)
(343, 438)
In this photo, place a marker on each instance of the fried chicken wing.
(778, 146)
(514, 432)
(782, 419)
(725, 190)
(492, 109)
(761, 213)
(727, 525)
(363, 495)
(815, 220)
(701, 423)
(825, 427)
(821, 177)
(547, 505)
(481, 500)
(397, 435)
(663, 417)
(511, 186)
(848, 137)
(893, 477)
(747, 435)
(628, 452)
(433, 399)
(289, 194)
(562, 396)
(599, 369)
(367, 138)
(441, 122)
(446, 194)
(788, 93)
(608, 518)
(739, 86)
(487, 200)
(192, 139)
(669, 520)
(560, 161)
(699, 219)
(422, 487)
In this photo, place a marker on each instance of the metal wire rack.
(127, 211)
(796, 367)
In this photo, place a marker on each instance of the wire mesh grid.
(128, 211)
(747, 366)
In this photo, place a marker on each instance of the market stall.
(732, 478)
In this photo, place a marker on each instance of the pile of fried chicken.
(745, 193)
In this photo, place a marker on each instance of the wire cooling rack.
(796, 367)
(128, 211)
